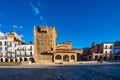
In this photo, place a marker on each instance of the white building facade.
(117, 50)
(25, 52)
(12, 49)
(108, 50)
(3, 48)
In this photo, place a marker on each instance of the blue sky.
(79, 21)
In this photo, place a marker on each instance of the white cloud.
(21, 35)
(2, 34)
(41, 18)
(20, 27)
(23, 40)
(41, 4)
(7, 33)
(15, 26)
(0, 25)
(35, 9)
(38, 9)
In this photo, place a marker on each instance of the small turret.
(93, 44)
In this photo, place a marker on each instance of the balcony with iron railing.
(18, 49)
(24, 49)
(29, 49)
(24, 55)
(11, 57)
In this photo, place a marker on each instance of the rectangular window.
(5, 48)
(51, 49)
(15, 51)
(106, 52)
(20, 53)
(110, 52)
(15, 45)
(30, 53)
(110, 47)
(25, 53)
(10, 44)
(106, 47)
(5, 43)
(0, 48)
(30, 47)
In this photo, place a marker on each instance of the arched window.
(6, 60)
(58, 57)
(16, 60)
(72, 57)
(31, 59)
(1, 59)
(20, 59)
(11, 60)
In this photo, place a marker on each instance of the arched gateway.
(65, 58)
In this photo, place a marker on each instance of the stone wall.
(44, 43)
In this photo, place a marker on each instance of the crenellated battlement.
(44, 28)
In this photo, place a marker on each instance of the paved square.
(76, 72)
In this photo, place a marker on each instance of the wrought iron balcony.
(24, 56)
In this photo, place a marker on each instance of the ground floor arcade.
(18, 59)
(97, 56)
(65, 57)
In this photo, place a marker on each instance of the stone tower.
(44, 43)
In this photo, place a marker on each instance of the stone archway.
(6, 60)
(20, 59)
(66, 58)
(58, 57)
(90, 57)
(25, 59)
(11, 60)
(96, 57)
(105, 58)
(1, 59)
(16, 60)
(31, 59)
(72, 57)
